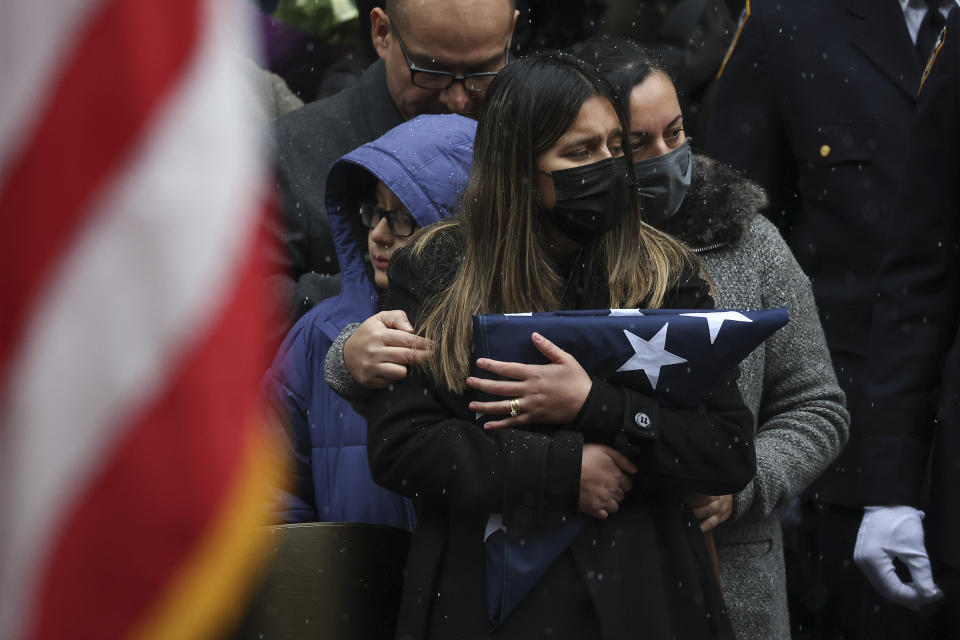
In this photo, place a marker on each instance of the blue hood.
(425, 162)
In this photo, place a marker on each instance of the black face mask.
(591, 199)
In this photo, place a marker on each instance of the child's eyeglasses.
(401, 223)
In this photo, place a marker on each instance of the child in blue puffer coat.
(377, 196)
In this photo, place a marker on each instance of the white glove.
(895, 532)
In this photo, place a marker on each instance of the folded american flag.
(675, 355)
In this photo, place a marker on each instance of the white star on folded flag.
(715, 320)
(650, 355)
(626, 312)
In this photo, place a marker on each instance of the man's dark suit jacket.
(918, 308)
(308, 141)
(815, 103)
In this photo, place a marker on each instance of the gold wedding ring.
(514, 407)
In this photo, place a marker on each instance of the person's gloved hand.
(895, 532)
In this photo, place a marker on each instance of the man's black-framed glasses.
(439, 80)
(400, 223)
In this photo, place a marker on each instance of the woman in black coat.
(549, 222)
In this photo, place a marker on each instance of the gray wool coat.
(788, 383)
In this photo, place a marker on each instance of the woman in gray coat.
(788, 384)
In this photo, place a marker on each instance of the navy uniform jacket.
(918, 309)
(815, 104)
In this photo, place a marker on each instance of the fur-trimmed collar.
(718, 205)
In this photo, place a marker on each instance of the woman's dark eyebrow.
(585, 140)
(670, 124)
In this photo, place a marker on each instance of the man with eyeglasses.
(437, 56)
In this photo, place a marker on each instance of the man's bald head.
(401, 9)
(456, 36)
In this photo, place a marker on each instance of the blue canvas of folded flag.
(675, 355)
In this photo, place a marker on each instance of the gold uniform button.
(824, 151)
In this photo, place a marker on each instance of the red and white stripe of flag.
(132, 334)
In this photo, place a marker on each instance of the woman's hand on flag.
(550, 393)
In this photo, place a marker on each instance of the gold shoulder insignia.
(933, 58)
(736, 37)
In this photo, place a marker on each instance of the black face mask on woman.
(591, 198)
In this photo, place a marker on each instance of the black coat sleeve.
(705, 449)
(918, 302)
